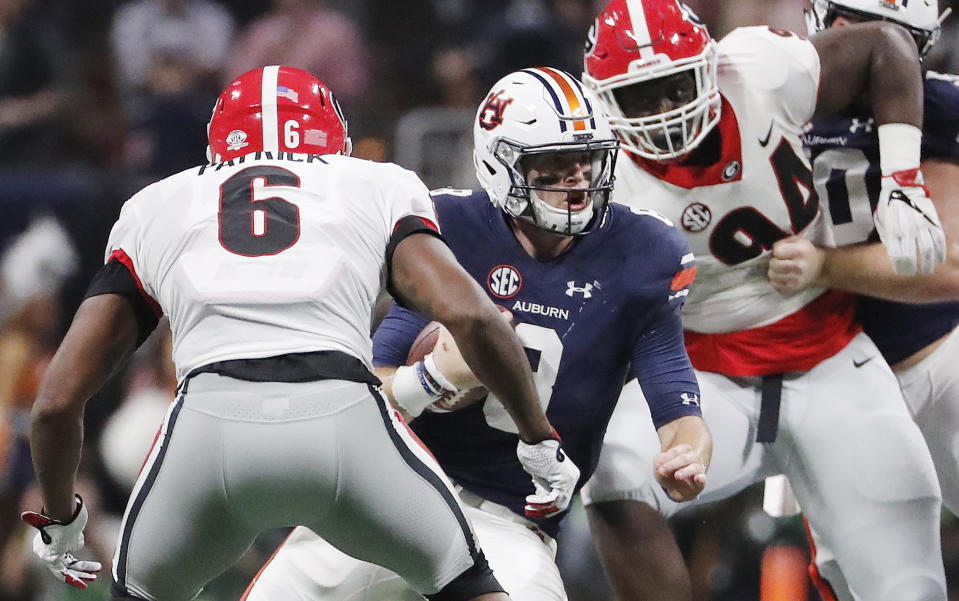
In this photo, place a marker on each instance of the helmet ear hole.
(489, 168)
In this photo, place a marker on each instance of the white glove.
(57, 541)
(554, 477)
(908, 224)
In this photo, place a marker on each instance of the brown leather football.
(423, 345)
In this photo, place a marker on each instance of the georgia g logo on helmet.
(492, 113)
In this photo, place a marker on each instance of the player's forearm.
(866, 269)
(56, 438)
(490, 348)
(690, 430)
(102, 336)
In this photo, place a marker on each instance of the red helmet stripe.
(572, 97)
(271, 137)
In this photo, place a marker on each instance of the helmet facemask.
(688, 89)
(578, 177)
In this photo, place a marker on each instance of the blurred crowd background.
(97, 99)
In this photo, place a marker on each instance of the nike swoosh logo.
(859, 364)
(765, 141)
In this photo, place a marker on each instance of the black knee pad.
(475, 581)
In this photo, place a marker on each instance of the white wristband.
(410, 391)
(437, 375)
(900, 147)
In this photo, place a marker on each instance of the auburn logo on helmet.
(492, 113)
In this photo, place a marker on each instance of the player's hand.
(796, 264)
(57, 541)
(908, 224)
(554, 476)
(681, 472)
(449, 361)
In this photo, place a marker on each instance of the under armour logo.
(857, 124)
(690, 399)
(586, 290)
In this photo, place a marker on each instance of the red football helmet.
(276, 109)
(660, 48)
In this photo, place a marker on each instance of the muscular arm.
(102, 336)
(878, 59)
(866, 268)
(427, 276)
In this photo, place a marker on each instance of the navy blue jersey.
(845, 155)
(611, 302)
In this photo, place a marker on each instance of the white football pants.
(307, 568)
(855, 459)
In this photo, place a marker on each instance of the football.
(422, 345)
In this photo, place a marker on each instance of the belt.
(472, 499)
(772, 392)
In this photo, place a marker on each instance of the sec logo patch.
(696, 217)
(504, 281)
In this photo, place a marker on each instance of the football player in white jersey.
(790, 384)
(919, 341)
(545, 158)
(268, 262)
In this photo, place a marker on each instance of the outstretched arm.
(427, 276)
(429, 279)
(102, 336)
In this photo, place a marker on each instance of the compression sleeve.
(664, 371)
(393, 339)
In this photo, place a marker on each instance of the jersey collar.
(729, 167)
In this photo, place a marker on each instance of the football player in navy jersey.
(546, 245)
(919, 341)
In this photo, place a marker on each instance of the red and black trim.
(822, 585)
(476, 580)
(140, 497)
(118, 276)
(428, 474)
(405, 227)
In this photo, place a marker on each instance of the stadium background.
(100, 98)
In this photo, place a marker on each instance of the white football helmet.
(657, 54)
(920, 17)
(535, 112)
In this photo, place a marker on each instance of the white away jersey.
(754, 190)
(259, 257)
